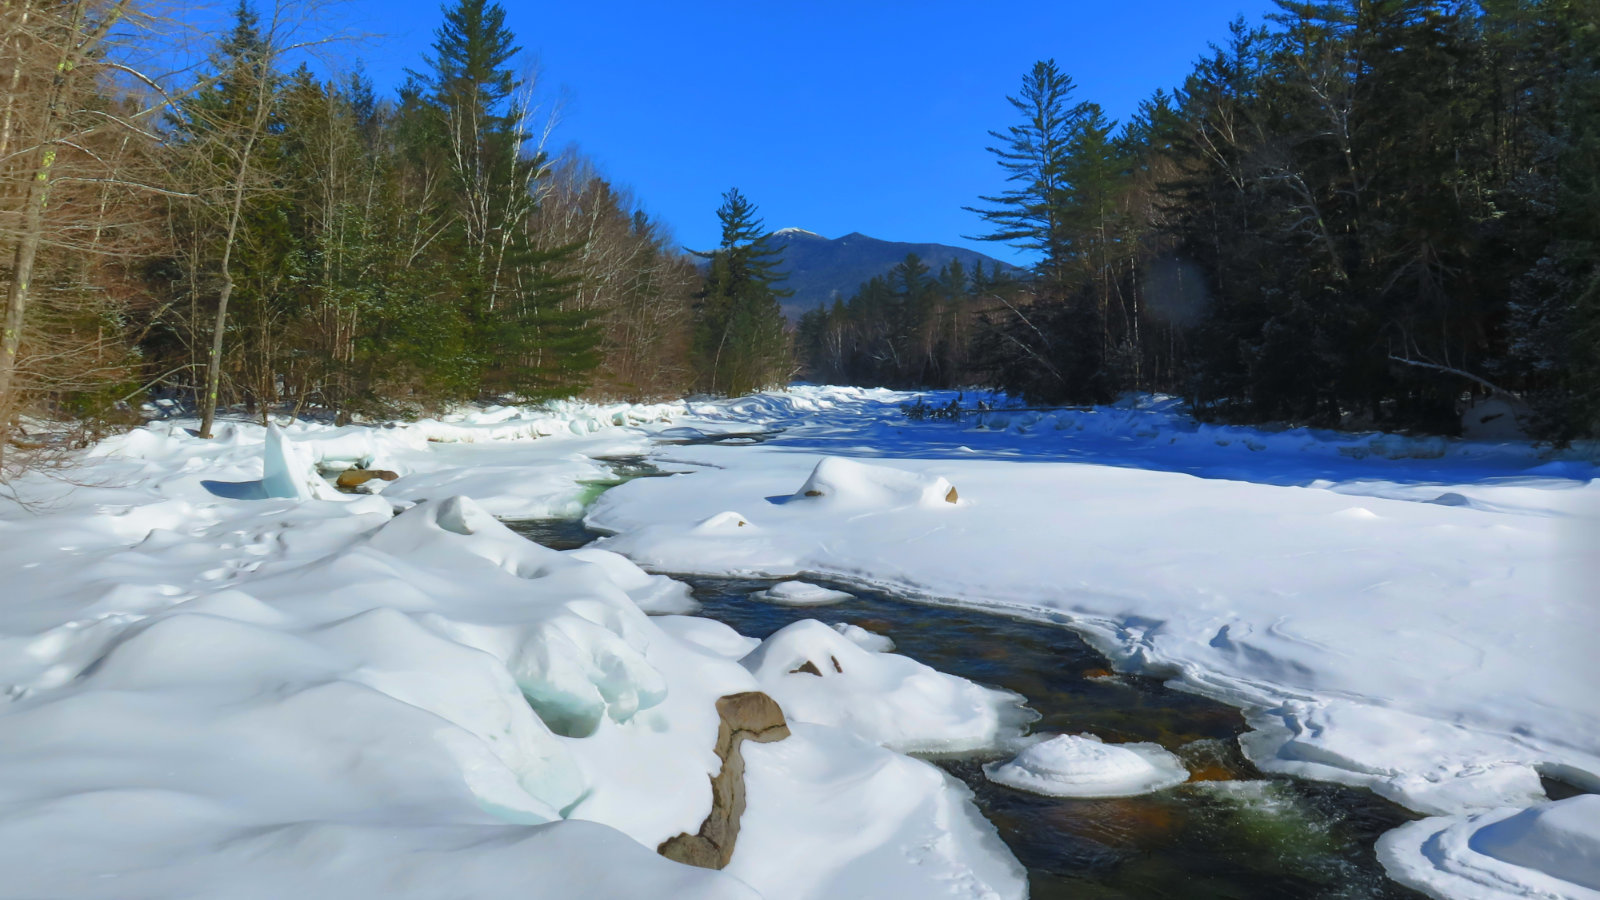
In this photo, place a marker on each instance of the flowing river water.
(1230, 832)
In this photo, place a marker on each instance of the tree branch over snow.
(1452, 370)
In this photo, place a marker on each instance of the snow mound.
(721, 523)
(801, 593)
(708, 635)
(576, 662)
(848, 483)
(1548, 851)
(881, 825)
(1082, 766)
(821, 676)
(870, 641)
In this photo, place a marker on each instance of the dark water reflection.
(1229, 833)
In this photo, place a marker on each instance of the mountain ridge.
(820, 270)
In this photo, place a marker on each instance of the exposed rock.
(952, 496)
(810, 668)
(354, 478)
(753, 716)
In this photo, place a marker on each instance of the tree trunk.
(208, 409)
(17, 296)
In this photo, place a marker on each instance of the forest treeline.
(251, 233)
(1357, 212)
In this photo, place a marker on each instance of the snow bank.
(821, 676)
(555, 418)
(1082, 766)
(209, 690)
(653, 594)
(890, 827)
(1547, 851)
(1391, 612)
(1372, 636)
(800, 593)
(870, 641)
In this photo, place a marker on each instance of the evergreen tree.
(1034, 155)
(739, 340)
(525, 336)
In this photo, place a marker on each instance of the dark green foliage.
(739, 340)
(910, 329)
(1365, 212)
(389, 256)
(1035, 154)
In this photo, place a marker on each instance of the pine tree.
(525, 335)
(1034, 155)
(739, 341)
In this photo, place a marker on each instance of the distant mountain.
(821, 269)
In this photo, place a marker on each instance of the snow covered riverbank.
(1411, 616)
(220, 679)
(218, 684)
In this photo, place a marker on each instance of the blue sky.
(830, 116)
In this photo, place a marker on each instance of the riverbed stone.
(752, 716)
(354, 478)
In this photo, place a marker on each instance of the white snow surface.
(1411, 615)
(220, 678)
(866, 640)
(1548, 851)
(1069, 765)
(824, 677)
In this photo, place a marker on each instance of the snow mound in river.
(1548, 851)
(1082, 766)
(801, 593)
(848, 483)
(821, 676)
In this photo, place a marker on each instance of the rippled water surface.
(1229, 833)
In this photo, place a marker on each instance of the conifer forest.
(1358, 212)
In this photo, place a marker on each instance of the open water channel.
(1230, 832)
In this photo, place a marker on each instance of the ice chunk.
(818, 675)
(850, 483)
(289, 471)
(801, 593)
(1083, 766)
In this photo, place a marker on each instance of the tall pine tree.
(739, 339)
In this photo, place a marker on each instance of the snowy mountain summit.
(797, 232)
